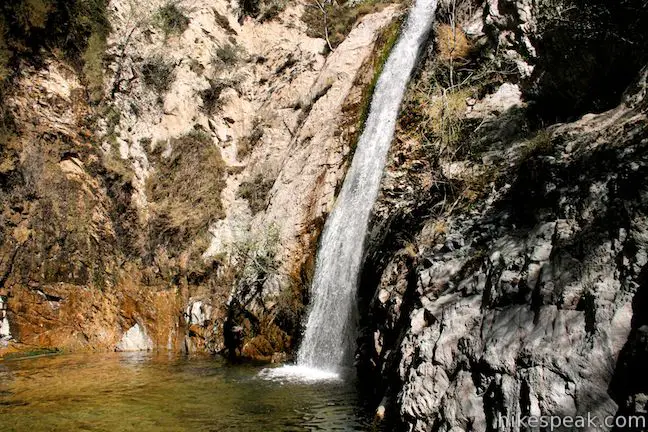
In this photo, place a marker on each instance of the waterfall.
(329, 339)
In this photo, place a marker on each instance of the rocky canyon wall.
(510, 231)
(175, 203)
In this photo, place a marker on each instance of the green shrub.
(158, 74)
(538, 145)
(171, 19)
(386, 41)
(228, 54)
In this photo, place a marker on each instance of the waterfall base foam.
(296, 373)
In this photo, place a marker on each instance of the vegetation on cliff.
(76, 29)
(184, 191)
(333, 21)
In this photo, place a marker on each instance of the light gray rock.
(135, 339)
(531, 302)
(5, 331)
(198, 313)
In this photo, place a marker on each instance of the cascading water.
(328, 342)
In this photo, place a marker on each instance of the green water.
(155, 392)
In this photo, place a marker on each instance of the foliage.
(434, 109)
(5, 53)
(247, 143)
(36, 352)
(171, 19)
(538, 145)
(256, 258)
(93, 66)
(263, 10)
(228, 54)
(158, 74)
(358, 112)
(445, 115)
(184, 190)
(333, 21)
(271, 9)
(452, 43)
(211, 95)
(78, 28)
(256, 192)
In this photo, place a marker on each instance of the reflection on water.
(156, 392)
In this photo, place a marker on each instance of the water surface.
(159, 392)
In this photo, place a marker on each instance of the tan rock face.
(85, 254)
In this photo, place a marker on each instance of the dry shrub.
(185, 190)
(211, 95)
(30, 29)
(228, 54)
(247, 143)
(263, 10)
(158, 74)
(443, 116)
(336, 20)
(452, 43)
(256, 192)
(172, 19)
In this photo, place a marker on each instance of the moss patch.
(36, 352)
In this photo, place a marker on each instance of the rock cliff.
(510, 231)
(176, 201)
(166, 169)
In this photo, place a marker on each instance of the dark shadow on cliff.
(589, 52)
